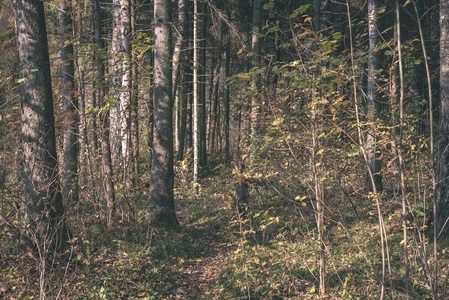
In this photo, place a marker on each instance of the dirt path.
(203, 268)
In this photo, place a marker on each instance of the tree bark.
(161, 207)
(116, 67)
(186, 87)
(196, 133)
(134, 95)
(177, 65)
(69, 105)
(255, 49)
(202, 89)
(442, 165)
(215, 102)
(226, 105)
(42, 207)
(104, 117)
(371, 138)
(125, 97)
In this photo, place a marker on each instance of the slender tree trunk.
(365, 156)
(273, 44)
(196, 145)
(226, 105)
(134, 95)
(371, 138)
(125, 97)
(316, 170)
(116, 67)
(161, 206)
(202, 90)
(94, 121)
(255, 49)
(177, 63)
(436, 229)
(150, 125)
(442, 167)
(104, 118)
(83, 139)
(186, 87)
(399, 148)
(42, 206)
(215, 103)
(69, 105)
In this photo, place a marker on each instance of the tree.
(42, 206)
(371, 101)
(177, 66)
(255, 48)
(442, 166)
(226, 104)
(104, 117)
(125, 97)
(116, 82)
(69, 105)
(202, 35)
(161, 207)
(196, 133)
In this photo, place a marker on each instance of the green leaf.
(268, 5)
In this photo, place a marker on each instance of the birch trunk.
(371, 138)
(442, 167)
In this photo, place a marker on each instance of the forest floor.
(270, 254)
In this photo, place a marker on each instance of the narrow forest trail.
(202, 267)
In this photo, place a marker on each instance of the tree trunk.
(134, 96)
(116, 67)
(150, 124)
(215, 103)
(196, 145)
(104, 118)
(177, 64)
(125, 97)
(442, 165)
(202, 90)
(255, 49)
(226, 105)
(161, 206)
(69, 105)
(42, 206)
(186, 87)
(83, 139)
(371, 138)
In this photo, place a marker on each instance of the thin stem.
(362, 149)
(399, 147)
(432, 152)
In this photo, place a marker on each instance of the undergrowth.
(270, 252)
